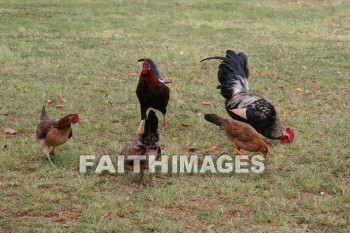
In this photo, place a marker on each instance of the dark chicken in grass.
(54, 133)
(246, 106)
(241, 135)
(146, 144)
(151, 91)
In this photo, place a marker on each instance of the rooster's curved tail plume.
(233, 73)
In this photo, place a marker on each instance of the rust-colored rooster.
(54, 133)
(246, 106)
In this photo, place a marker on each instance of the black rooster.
(151, 91)
(243, 105)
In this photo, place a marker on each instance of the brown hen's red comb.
(290, 133)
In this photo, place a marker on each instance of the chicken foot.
(47, 151)
(244, 157)
(139, 129)
(141, 178)
(237, 150)
(52, 154)
(164, 121)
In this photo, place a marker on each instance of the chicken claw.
(244, 157)
(237, 151)
(139, 129)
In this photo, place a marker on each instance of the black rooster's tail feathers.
(151, 125)
(242, 62)
(233, 73)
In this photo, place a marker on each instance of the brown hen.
(54, 133)
(241, 135)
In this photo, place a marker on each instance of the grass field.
(82, 55)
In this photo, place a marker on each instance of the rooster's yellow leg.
(237, 151)
(164, 121)
(244, 157)
(139, 129)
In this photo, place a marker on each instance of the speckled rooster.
(243, 105)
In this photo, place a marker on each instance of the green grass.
(82, 54)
